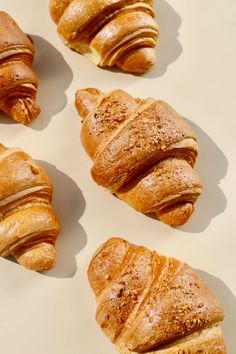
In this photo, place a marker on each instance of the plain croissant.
(143, 152)
(149, 303)
(28, 224)
(109, 32)
(18, 83)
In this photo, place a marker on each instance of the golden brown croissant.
(18, 83)
(143, 152)
(109, 32)
(28, 224)
(149, 303)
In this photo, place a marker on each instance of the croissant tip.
(89, 90)
(24, 110)
(40, 257)
(138, 61)
(177, 215)
(86, 100)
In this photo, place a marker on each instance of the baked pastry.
(28, 224)
(18, 83)
(143, 152)
(149, 303)
(109, 32)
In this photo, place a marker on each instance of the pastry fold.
(142, 151)
(18, 82)
(109, 32)
(28, 224)
(150, 303)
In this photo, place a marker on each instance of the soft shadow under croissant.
(150, 303)
(143, 152)
(28, 224)
(109, 32)
(18, 83)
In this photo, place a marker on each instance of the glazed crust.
(18, 82)
(149, 303)
(28, 224)
(143, 152)
(108, 32)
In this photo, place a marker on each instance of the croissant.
(143, 152)
(18, 83)
(149, 303)
(109, 32)
(28, 224)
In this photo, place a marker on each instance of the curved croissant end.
(143, 152)
(41, 256)
(138, 60)
(28, 224)
(150, 303)
(22, 110)
(18, 83)
(86, 100)
(109, 32)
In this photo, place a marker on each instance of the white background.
(54, 313)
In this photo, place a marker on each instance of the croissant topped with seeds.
(28, 224)
(143, 152)
(150, 303)
(109, 32)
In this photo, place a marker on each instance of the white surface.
(54, 313)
